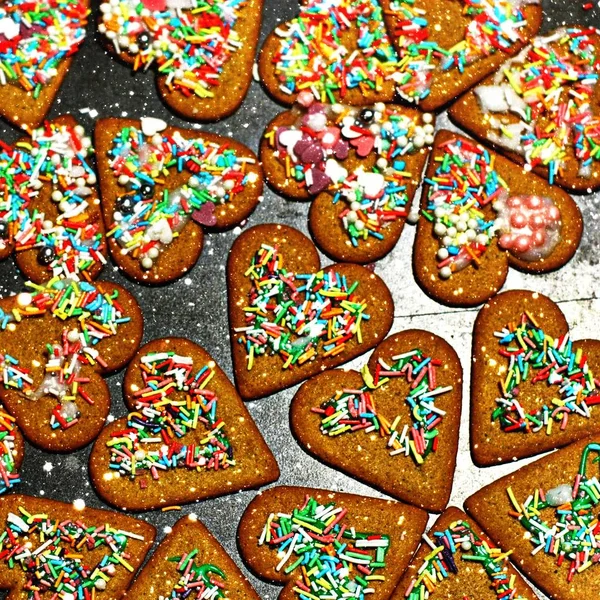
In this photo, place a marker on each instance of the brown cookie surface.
(39, 403)
(509, 437)
(121, 541)
(190, 542)
(366, 455)
(484, 276)
(485, 579)
(506, 522)
(299, 256)
(249, 464)
(401, 525)
(494, 111)
(179, 255)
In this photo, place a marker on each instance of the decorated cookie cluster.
(9, 477)
(534, 356)
(35, 37)
(174, 402)
(441, 563)
(51, 555)
(298, 316)
(93, 315)
(494, 25)
(196, 580)
(189, 41)
(336, 560)
(549, 89)
(315, 148)
(316, 53)
(147, 220)
(355, 410)
(72, 243)
(572, 537)
(470, 206)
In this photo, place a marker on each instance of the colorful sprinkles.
(49, 554)
(146, 221)
(534, 356)
(335, 560)
(573, 538)
(351, 410)
(95, 316)
(197, 582)
(35, 37)
(174, 402)
(9, 477)
(441, 563)
(73, 243)
(298, 316)
(189, 41)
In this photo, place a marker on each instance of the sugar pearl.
(445, 272)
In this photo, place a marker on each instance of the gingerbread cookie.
(446, 46)
(37, 44)
(546, 512)
(55, 550)
(291, 319)
(203, 51)
(188, 564)
(56, 342)
(395, 424)
(12, 449)
(481, 215)
(323, 544)
(533, 388)
(162, 185)
(458, 560)
(188, 435)
(361, 167)
(542, 108)
(50, 213)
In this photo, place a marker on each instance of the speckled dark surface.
(195, 306)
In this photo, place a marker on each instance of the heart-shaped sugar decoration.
(363, 144)
(205, 215)
(152, 126)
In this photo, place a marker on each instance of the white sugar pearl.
(451, 231)
(337, 109)
(111, 35)
(156, 139)
(179, 73)
(140, 454)
(445, 272)
(105, 7)
(146, 262)
(173, 47)
(229, 184)
(471, 235)
(375, 129)
(36, 184)
(79, 130)
(379, 106)
(461, 226)
(134, 48)
(48, 224)
(466, 545)
(447, 241)
(100, 584)
(64, 206)
(428, 129)
(454, 218)
(382, 163)
(402, 141)
(102, 28)
(123, 41)
(86, 142)
(73, 335)
(419, 141)
(359, 225)
(153, 252)
(91, 178)
(482, 239)
(428, 139)
(443, 254)
(419, 132)
(439, 212)
(427, 118)
(439, 229)
(56, 160)
(472, 223)
(413, 216)
(352, 217)
(193, 181)
(355, 206)
(24, 299)
(219, 192)
(80, 182)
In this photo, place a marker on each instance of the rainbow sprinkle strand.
(298, 315)
(549, 88)
(8, 470)
(162, 418)
(336, 561)
(197, 582)
(440, 564)
(95, 316)
(312, 55)
(190, 47)
(573, 537)
(52, 555)
(556, 362)
(144, 224)
(354, 410)
(494, 25)
(57, 154)
(36, 37)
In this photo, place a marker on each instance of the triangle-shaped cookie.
(395, 425)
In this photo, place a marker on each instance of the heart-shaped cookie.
(57, 550)
(37, 44)
(546, 512)
(537, 116)
(395, 425)
(481, 215)
(188, 435)
(458, 560)
(361, 167)
(155, 180)
(532, 387)
(190, 563)
(12, 449)
(56, 342)
(203, 51)
(446, 46)
(291, 319)
(359, 543)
